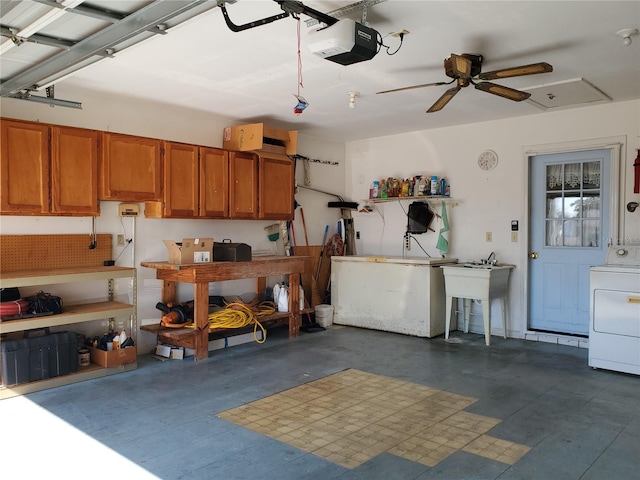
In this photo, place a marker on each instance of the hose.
(239, 315)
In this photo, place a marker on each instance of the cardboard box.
(113, 358)
(191, 250)
(170, 351)
(257, 136)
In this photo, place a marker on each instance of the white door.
(569, 223)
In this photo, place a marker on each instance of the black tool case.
(38, 358)
(226, 251)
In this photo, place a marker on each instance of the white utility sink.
(477, 281)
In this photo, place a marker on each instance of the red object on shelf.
(636, 167)
(16, 307)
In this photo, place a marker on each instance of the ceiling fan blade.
(415, 86)
(502, 91)
(444, 99)
(532, 69)
(460, 65)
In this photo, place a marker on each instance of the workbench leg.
(201, 320)
(261, 287)
(168, 292)
(295, 319)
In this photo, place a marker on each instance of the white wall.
(486, 201)
(126, 115)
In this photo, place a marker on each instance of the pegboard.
(47, 252)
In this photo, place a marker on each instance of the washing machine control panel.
(628, 255)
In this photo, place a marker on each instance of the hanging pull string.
(300, 85)
(302, 102)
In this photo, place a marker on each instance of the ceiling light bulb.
(352, 99)
(626, 34)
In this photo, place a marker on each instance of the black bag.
(9, 294)
(44, 302)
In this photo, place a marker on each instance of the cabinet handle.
(633, 299)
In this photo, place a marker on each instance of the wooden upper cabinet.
(181, 186)
(276, 194)
(130, 168)
(49, 170)
(74, 171)
(214, 183)
(24, 168)
(243, 185)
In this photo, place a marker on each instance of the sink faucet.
(491, 259)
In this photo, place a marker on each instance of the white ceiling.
(252, 75)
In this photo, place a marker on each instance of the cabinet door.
(180, 180)
(74, 171)
(131, 168)
(214, 183)
(243, 185)
(24, 168)
(276, 194)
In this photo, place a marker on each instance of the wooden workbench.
(202, 273)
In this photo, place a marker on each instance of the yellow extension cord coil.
(239, 315)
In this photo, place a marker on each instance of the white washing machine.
(614, 325)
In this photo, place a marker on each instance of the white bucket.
(324, 315)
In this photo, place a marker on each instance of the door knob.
(533, 255)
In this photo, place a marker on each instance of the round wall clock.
(488, 160)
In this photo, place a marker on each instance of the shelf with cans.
(417, 187)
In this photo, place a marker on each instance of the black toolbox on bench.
(226, 251)
(38, 358)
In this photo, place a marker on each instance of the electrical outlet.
(121, 240)
(489, 237)
(407, 241)
(514, 237)
(358, 235)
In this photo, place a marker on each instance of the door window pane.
(554, 205)
(554, 233)
(591, 175)
(554, 177)
(572, 206)
(590, 233)
(591, 205)
(571, 234)
(572, 176)
(573, 211)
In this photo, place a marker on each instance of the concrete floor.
(180, 419)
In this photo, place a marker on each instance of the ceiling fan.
(465, 69)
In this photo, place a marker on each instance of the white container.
(324, 315)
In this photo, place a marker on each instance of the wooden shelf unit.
(73, 314)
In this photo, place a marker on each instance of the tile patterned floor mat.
(352, 416)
